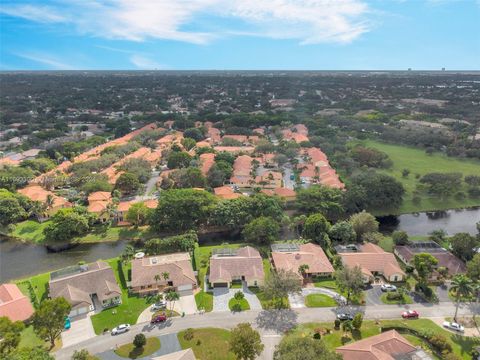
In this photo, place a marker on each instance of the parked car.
(159, 305)
(388, 287)
(344, 316)
(410, 314)
(67, 324)
(453, 326)
(120, 329)
(158, 319)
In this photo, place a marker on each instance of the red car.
(158, 319)
(410, 314)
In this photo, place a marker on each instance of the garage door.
(79, 311)
(184, 290)
(218, 285)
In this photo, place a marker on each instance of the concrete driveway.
(372, 295)
(222, 296)
(188, 304)
(80, 330)
(297, 301)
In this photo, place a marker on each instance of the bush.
(139, 341)
(317, 336)
(394, 295)
(337, 324)
(357, 321)
(400, 237)
(440, 342)
(188, 334)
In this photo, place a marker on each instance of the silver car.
(120, 329)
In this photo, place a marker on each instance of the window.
(170, 283)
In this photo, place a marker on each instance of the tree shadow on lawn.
(277, 320)
(466, 343)
(135, 353)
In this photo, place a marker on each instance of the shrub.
(239, 295)
(139, 341)
(317, 336)
(357, 321)
(400, 237)
(460, 195)
(337, 324)
(451, 356)
(188, 334)
(440, 342)
(394, 295)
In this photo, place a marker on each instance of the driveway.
(188, 304)
(298, 300)
(80, 330)
(372, 295)
(442, 294)
(221, 297)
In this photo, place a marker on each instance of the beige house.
(86, 287)
(290, 257)
(229, 265)
(373, 261)
(154, 273)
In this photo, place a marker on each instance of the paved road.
(269, 323)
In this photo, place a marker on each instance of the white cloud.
(44, 59)
(145, 63)
(42, 14)
(308, 21)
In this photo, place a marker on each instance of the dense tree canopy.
(316, 228)
(363, 223)
(464, 245)
(321, 199)
(67, 224)
(263, 231)
(49, 319)
(245, 342)
(303, 348)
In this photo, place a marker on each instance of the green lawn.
(235, 305)
(267, 267)
(204, 300)
(266, 303)
(418, 162)
(127, 312)
(208, 344)
(202, 256)
(461, 345)
(129, 351)
(326, 283)
(387, 244)
(319, 300)
(406, 300)
(32, 231)
(39, 284)
(30, 339)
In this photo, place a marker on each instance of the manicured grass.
(39, 283)
(267, 267)
(406, 300)
(131, 352)
(202, 256)
(387, 244)
(266, 303)
(461, 345)
(204, 300)
(30, 339)
(235, 304)
(319, 300)
(208, 344)
(326, 283)
(127, 312)
(32, 231)
(402, 159)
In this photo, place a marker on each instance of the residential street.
(269, 323)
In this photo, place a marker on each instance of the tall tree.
(172, 297)
(245, 342)
(10, 335)
(138, 214)
(424, 264)
(464, 245)
(303, 348)
(321, 199)
(462, 286)
(49, 319)
(363, 223)
(473, 268)
(350, 280)
(262, 230)
(279, 284)
(316, 228)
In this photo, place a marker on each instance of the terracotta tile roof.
(235, 149)
(207, 160)
(309, 254)
(240, 138)
(99, 196)
(186, 354)
(214, 135)
(37, 193)
(246, 262)
(285, 192)
(177, 265)
(13, 304)
(7, 161)
(301, 129)
(151, 203)
(372, 258)
(389, 345)
(260, 131)
(226, 192)
(201, 144)
(76, 288)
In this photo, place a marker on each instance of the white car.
(159, 305)
(120, 329)
(388, 287)
(453, 326)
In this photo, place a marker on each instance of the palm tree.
(172, 296)
(128, 253)
(463, 287)
(156, 278)
(302, 269)
(49, 201)
(165, 275)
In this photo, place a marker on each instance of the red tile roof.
(13, 304)
(246, 262)
(207, 160)
(389, 345)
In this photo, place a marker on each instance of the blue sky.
(239, 34)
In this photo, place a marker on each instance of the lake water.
(20, 260)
